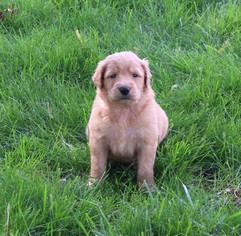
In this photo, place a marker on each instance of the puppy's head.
(123, 77)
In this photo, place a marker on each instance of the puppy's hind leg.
(162, 121)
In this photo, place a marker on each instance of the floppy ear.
(98, 76)
(147, 72)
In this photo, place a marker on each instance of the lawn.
(46, 94)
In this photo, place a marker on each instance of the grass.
(46, 95)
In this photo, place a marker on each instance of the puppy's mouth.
(125, 98)
(128, 102)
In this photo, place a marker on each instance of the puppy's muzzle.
(124, 90)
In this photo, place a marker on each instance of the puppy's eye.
(135, 75)
(113, 76)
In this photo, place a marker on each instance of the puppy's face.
(123, 77)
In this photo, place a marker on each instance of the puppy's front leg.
(145, 164)
(98, 162)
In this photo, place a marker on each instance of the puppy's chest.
(123, 138)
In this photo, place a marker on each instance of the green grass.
(46, 95)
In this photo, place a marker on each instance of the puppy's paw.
(92, 181)
(147, 186)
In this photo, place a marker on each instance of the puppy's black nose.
(124, 90)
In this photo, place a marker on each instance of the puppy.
(126, 124)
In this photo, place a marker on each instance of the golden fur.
(126, 123)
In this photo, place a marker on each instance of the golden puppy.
(126, 123)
